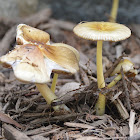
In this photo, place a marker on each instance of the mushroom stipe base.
(48, 95)
(100, 106)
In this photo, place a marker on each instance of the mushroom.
(128, 69)
(34, 62)
(101, 31)
(29, 35)
(113, 14)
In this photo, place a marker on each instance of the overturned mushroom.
(30, 35)
(33, 62)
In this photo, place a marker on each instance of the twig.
(126, 92)
(80, 125)
(38, 130)
(131, 123)
(121, 109)
(56, 118)
(49, 132)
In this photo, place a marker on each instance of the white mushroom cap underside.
(105, 31)
(29, 65)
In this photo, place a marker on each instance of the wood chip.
(89, 138)
(38, 130)
(39, 138)
(131, 123)
(121, 109)
(80, 125)
(11, 133)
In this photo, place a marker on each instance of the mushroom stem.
(119, 76)
(55, 77)
(48, 95)
(114, 10)
(100, 76)
(100, 106)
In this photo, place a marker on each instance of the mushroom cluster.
(34, 59)
(101, 31)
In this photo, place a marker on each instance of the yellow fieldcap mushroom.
(101, 31)
(128, 68)
(125, 64)
(35, 62)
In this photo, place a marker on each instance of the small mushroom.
(34, 62)
(101, 31)
(128, 68)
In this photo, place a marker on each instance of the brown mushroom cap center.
(102, 26)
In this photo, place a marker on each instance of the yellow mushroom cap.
(105, 31)
(126, 65)
(69, 47)
(29, 35)
(64, 55)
